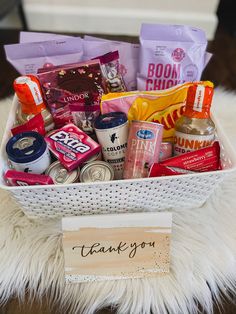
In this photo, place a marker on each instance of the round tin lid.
(95, 157)
(60, 175)
(25, 147)
(110, 120)
(97, 171)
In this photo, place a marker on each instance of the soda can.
(28, 152)
(143, 150)
(97, 171)
(96, 157)
(60, 175)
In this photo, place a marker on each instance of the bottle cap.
(25, 147)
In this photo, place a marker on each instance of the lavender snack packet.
(31, 37)
(128, 54)
(170, 55)
(28, 57)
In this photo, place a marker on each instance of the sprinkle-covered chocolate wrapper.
(71, 84)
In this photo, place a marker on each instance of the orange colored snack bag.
(164, 106)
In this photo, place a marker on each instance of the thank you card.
(108, 247)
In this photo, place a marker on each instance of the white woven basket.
(149, 194)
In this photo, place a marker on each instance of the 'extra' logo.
(72, 143)
(145, 134)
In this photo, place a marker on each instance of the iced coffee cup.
(112, 133)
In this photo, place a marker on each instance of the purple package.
(110, 68)
(170, 55)
(31, 37)
(128, 54)
(80, 84)
(27, 58)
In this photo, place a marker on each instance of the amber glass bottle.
(195, 129)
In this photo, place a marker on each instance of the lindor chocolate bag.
(80, 84)
(128, 54)
(27, 58)
(170, 55)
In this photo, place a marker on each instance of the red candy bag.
(205, 159)
(19, 178)
(202, 160)
(35, 124)
(158, 170)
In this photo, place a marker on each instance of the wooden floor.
(14, 307)
(221, 70)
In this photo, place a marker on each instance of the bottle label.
(36, 93)
(33, 87)
(199, 98)
(184, 143)
(198, 101)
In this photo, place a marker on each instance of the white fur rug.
(203, 254)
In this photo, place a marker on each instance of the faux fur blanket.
(203, 253)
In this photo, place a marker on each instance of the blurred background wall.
(112, 17)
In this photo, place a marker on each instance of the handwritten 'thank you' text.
(98, 248)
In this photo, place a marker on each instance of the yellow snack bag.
(164, 106)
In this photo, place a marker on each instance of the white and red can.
(143, 150)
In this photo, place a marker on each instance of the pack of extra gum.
(71, 146)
